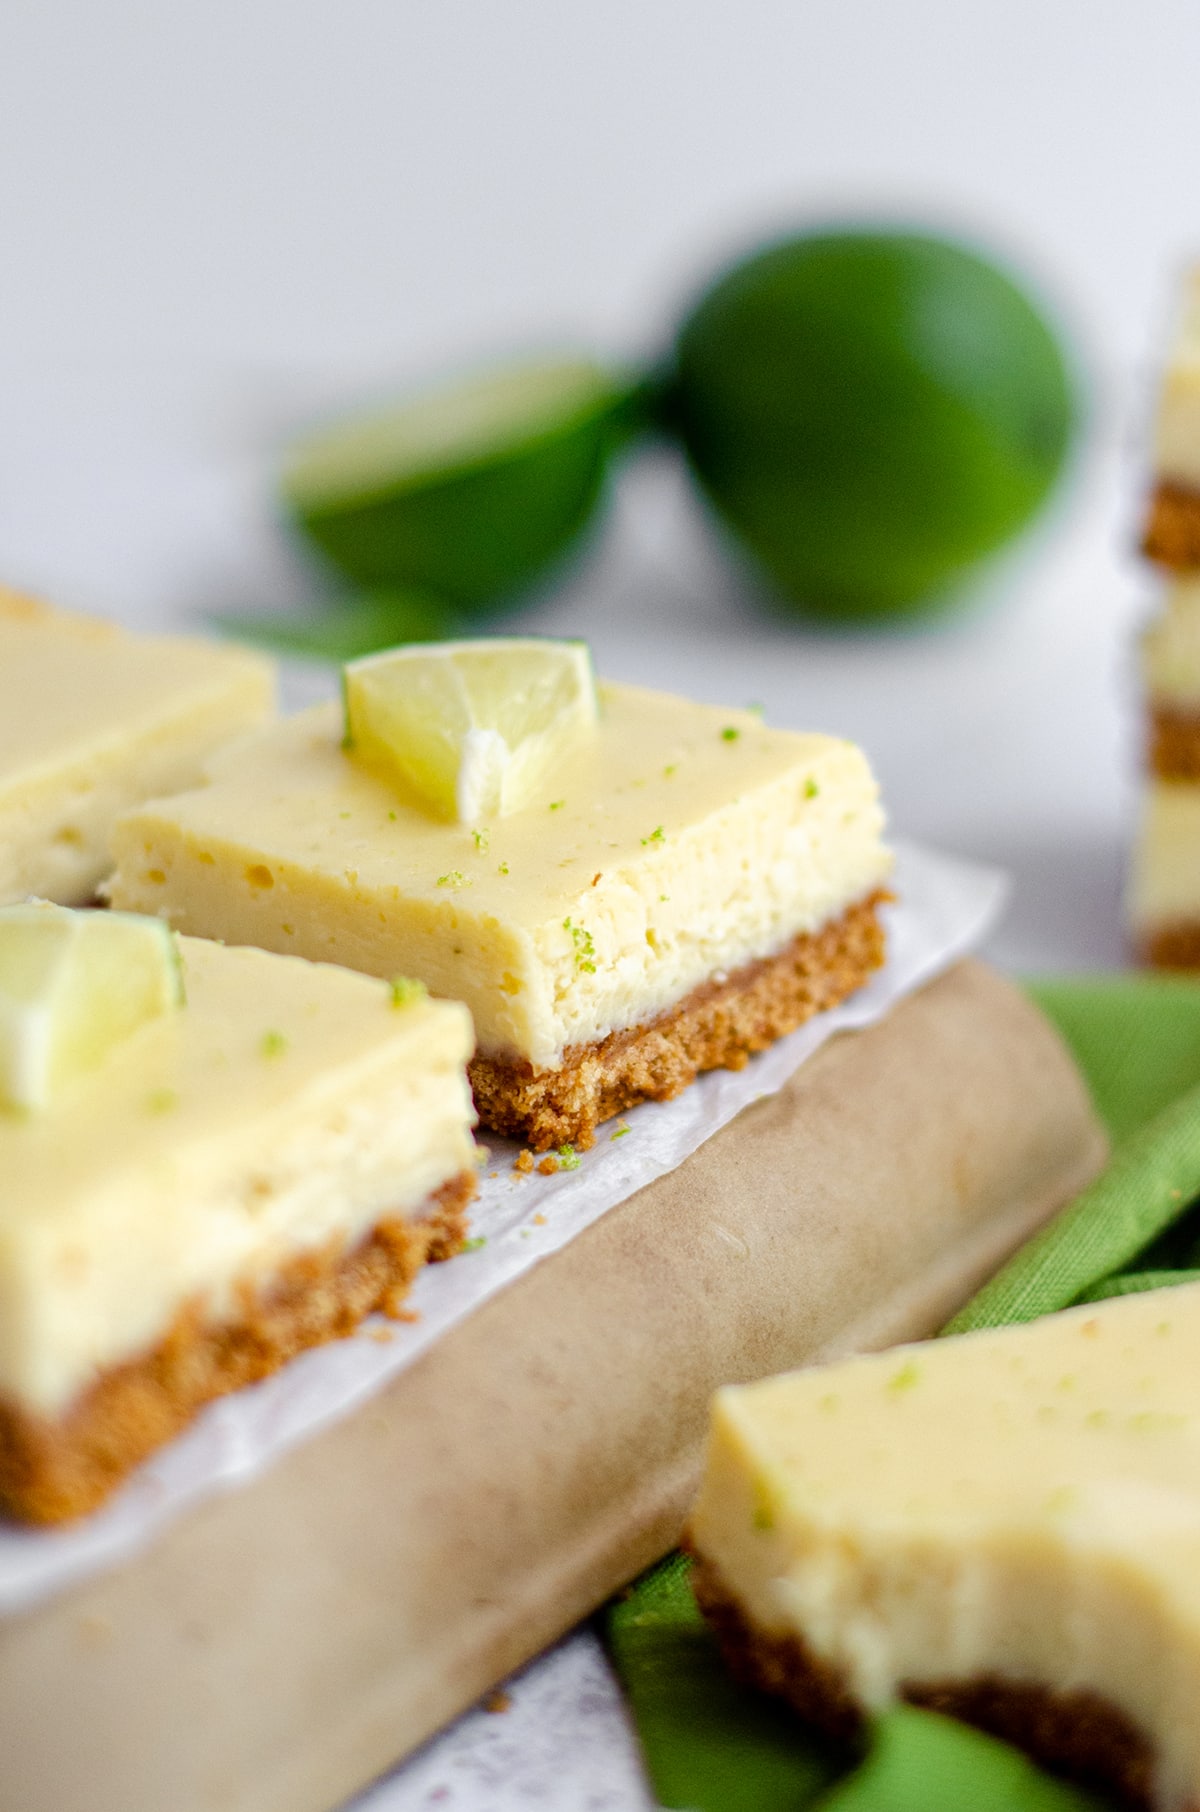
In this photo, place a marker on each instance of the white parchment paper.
(945, 909)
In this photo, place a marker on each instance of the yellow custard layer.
(678, 842)
(287, 1105)
(1023, 1503)
(1176, 450)
(94, 719)
(1164, 876)
(1171, 649)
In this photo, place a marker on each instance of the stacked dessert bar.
(1164, 894)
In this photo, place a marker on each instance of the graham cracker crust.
(1174, 752)
(53, 1470)
(1171, 946)
(719, 1025)
(1172, 532)
(1076, 1733)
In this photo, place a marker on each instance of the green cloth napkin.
(715, 1746)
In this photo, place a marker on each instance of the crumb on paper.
(539, 1220)
(548, 1165)
(523, 1162)
(497, 1701)
(382, 1336)
(95, 1630)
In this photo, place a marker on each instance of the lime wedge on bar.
(470, 491)
(474, 728)
(73, 985)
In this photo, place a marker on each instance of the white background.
(217, 216)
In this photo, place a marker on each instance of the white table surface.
(219, 215)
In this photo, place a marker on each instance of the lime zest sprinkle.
(756, 709)
(474, 1245)
(729, 734)
(569, 1158)
(585, 948)
(161, 1101)
(455, 878)
(392, 816)
(503, 869)
(273, 1044)
(481, 840)
(406, 990)
(672, 767)
(908, 1375)
(811, 789)
(619, 1131)
(657, 835)
(556, 805)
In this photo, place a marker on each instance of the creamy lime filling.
(92, 720)
(1164, 875)
(678, 843)
(1177, 425)
(1024, 1503)
(1171, 649)
(287, 1108)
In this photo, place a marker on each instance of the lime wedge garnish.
(468, 491)
(472, 727)
(72, 986)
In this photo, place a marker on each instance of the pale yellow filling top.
(1164, 874)
(1176, 449)
(1171, 648)
(287, 1104)
(94, 719)
(678, 841)
(1023, 1502)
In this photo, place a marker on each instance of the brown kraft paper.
(280, 1646)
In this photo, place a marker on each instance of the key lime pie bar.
(94, 719)
(625, 888)
(1004, 1526)
(209, 1159)
(1164, 886)
(1172, 534)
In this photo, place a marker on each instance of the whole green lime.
(871, 414)
(470, 491)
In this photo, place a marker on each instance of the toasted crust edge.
(52, 1470)
(1170, 945)
(1174, 743)
(719, 1025)
(1172, 533)
(1075, 1733)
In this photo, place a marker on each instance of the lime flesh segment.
(470, 491)
(871, 414)
(474, 728)
(73, 985)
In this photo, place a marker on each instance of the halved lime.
(871, 413)
(72, 986)
(469, 491)
(473, 728)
